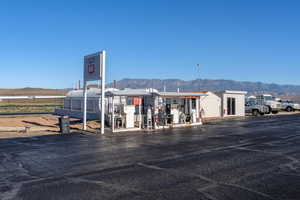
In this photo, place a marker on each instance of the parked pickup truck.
(254, 108)
(289, 106)
(269, 101)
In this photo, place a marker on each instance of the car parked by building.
(289, 106)
(254, 108)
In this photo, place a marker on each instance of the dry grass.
(32, 92)
(30, 105)
(31, 109)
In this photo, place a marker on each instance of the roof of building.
(181, 94)
(131, 92)
(233, 92)
(92, 92)
(205, 91)
(96, 92)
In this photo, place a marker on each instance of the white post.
(140, 113)
(191, 111)
(191, 107)
(103, 92)
(154, 113)
(198, 108)
(113, 115)
(84, 105)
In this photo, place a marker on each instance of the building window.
(67, 104)
(90, 105)
(231, 106)
(76, 105)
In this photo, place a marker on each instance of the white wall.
(240, 103)
(210, 105)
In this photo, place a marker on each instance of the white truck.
(254, 108)
(268, 100)
(289, 106)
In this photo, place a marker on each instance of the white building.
(74, 100)
(223, 104)
(233, 103)
(151, 109)
(144, 108)
(210, 106)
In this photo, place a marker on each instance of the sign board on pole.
(92, 66)
(94, 69)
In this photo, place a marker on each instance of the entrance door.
(231, 106)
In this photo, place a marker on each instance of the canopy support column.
(140, 113)
(113, 115)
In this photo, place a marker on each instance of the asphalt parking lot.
(253, 158)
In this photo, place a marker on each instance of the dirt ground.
(47, 121)
(15, 126)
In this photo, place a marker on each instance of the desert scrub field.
(30, 106)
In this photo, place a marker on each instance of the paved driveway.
(254, 158)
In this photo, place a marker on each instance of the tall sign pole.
(94, 70)
(103, 92)
(84, 104)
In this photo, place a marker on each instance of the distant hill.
(211, 85)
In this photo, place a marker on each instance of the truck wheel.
(269, 110)
(262, 114)
(255, 113)
(274, 112)
(289, 109)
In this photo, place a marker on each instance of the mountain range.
(252, 88)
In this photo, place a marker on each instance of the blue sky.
(42, 43)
